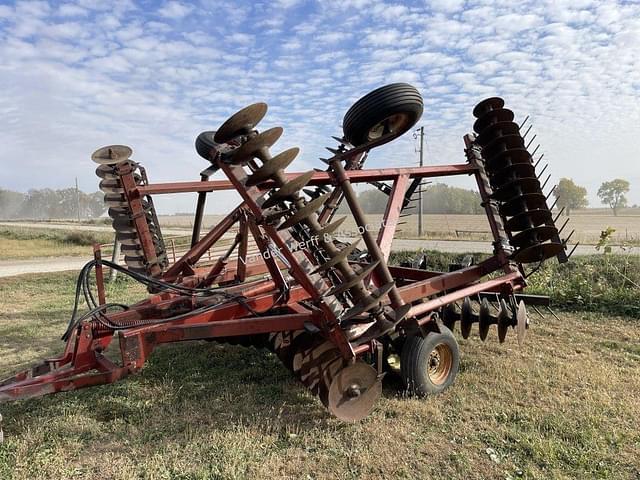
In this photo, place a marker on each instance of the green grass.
(22, 243)
(608, 284)
(563, 406)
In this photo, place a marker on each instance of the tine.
(531, 141)
(535, 150)
(552, 312)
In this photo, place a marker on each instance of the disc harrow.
(114, 162)
(332, 309)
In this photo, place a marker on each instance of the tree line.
(442, 198)
(436, 198)
(47, 203)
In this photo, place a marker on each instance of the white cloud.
(89, 73)
(175, 10)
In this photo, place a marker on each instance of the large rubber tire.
(418, 365)
(399, 103)
(205, 143)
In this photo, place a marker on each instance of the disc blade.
(330, 228)
(339, 257)
(112, 154)
(484, 319)
(306, 211)
(537, 253)
(528, 219)
(241, 123)
(494, 116)
(487, 105)
(248, 150)
(269, 169)
(288, 189)
(506, 158)
(501, 143)
(531, 201)
(522, 322)
(466, 318)
(504, 320)
(500, 128)
(521, 186)
(354, 392)
(533, 236)
(344, 286)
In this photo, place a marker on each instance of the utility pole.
(77, 200)
(420, 186)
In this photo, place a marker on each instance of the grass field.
(21, 243)
(563, 406)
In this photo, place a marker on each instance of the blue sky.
(77, 75)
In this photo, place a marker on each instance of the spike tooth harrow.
(334, 318)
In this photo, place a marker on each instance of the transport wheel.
(429, 365)
(205, 144)
(387, 111)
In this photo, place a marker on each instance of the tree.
(570, 196)
(612, 194)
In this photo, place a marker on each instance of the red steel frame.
(84, 363)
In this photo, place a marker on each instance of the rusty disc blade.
(537, 253)
(500, 128)
(518, 187)
(347, 284)
(330, 228)
(450, 315)
(106, 172)
(250, 148)
(368, 302)
(494, 116)
(339, 257)
(522, 322)
(306, 211)
(484, 319)
(513, 172)
(501, 160)
(354, 391)
(530, 201)
(504, 320)
(487, 105)
(466, 318)
(528, 219)
(271, 167)
(241, 123)
(502, 143)
(112, 154)
(533, 236)
(288, 189)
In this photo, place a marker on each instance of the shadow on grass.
(203, 384)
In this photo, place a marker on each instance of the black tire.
(419, 373)
(400, 104)
(205, 143)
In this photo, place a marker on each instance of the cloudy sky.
(76, 76)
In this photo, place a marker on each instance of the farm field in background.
(562, 406)
(587, 223)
